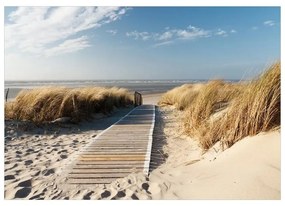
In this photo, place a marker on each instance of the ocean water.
(142, 86)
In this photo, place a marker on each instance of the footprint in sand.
(145, 186)
(30, 150)
(23, 192)
(48, 172)
(62, 151)
(37, 197)
(105, 194)
(14, 166)
(119, 195)
(26, 183)
(36, 174)
(56, 195)
(9, 177)
(75, 141)
(63, 156)
(87, 196)
(134, 197)
(28, 162)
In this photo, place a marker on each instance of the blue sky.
(68, 43)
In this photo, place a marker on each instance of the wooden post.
(7, 92)
(138, 99)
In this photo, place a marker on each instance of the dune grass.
(256, 110)
(180, 97)
(49, 103)
(225, 112)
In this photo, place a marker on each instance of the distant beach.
(146, 87)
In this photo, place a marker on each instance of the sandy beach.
(142, 102)
(37, 161)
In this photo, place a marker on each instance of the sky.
(90, 43)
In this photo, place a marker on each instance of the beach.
(142, 102)
(145, 87)
(37, 161)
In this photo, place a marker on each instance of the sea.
(142, 86)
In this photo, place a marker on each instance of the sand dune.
(37, 161)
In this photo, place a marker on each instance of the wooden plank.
(115, 141)
(111, 156)
(109, 164)
(117, 147)
(131, 145)
(131, 130)
(120, 134)
(123, 162)
(124, 137)
(131, 158)
(120, 143)
(121, 140)
(104, 170)
(114, 150)
(113, 153)
(91, 181)
(99, 176)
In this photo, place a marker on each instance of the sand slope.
(250, 169)
(36, 164)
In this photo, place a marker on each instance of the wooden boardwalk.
(121, 149)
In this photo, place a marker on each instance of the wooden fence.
(7, 93)
(138, 99)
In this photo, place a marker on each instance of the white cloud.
(35, 29)
(68, 46)
(269, 23)
(162, 43)
(192, 33)
(166, 35)
(139, 35)
(112, 31)
(171, 35)
(221, 32)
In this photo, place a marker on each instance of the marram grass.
(225, 112)
(49, 103)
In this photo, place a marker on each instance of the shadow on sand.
(158, 157)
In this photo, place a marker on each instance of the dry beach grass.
(219, 111)
(50, 103)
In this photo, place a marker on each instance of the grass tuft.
(256, 110)
(49, 103)
(219, 111)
